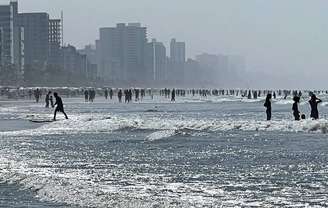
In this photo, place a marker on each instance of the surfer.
(267, 104)
(314, 106)
(296, 112)
(60, 106)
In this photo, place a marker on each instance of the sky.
(285, 38)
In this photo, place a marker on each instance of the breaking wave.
(166, 127)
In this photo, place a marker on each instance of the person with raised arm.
(314, 106)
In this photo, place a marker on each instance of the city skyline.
(275, 37)
(263, 31)
(32, 52)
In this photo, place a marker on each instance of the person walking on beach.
(60, 106)
(173, 95)
(314, 106)
(296, 112)
(267, 104)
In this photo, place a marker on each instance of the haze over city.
(274, 36)
(163, 103)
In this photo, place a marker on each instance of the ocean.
(216, 151)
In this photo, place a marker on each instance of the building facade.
(55, 38)
(156, 62)
(36, 38)
(91, 54)
(120, 53)
(11, 37)
(177, 61)
(74, 63)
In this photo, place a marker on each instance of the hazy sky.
(274, 35)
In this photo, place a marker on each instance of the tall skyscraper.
(177, 61)
(156, 62)
(121, 53)
(11, 36)
(178, 51)
(91, 55)
(55, 41)
(36, 37)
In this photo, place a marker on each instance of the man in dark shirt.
(60, 106)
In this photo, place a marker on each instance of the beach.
(195, 152)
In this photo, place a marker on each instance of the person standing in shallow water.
(314, 106)
(267, 104)
(60, 106)
(296, 112)
(48, 99)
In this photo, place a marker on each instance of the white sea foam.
(284, 102)
(166, 127)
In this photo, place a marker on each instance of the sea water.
(195, 152)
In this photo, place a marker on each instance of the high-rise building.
(28, 38)
(91, 55)
(55, 38)
(73, 62)
(109, 55)
(11, 44)
(211, 65)
(121, 53)
(36, 38)
(192, 73)
(155, 61)
(177, 61)
(177, 51)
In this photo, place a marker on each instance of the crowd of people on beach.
(129, 95)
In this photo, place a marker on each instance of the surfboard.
(41, 121)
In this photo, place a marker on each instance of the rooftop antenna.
(62, 27)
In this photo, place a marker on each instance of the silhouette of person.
(52, 101)
(296, 112)
(106, 94)
(30, 94)
(314, 106)
(86, 95)
(60, 106)
(173, 95)
(267, 104)
(48, 99)
(111, 94)
(37, 95)
(119, 95)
